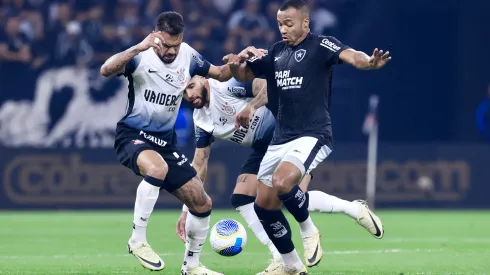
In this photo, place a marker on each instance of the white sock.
(248, 213)
(292, 261)
(307, 228)
(146, 197)
(196, 230)
(322, 202)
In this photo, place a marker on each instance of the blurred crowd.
(40, 34)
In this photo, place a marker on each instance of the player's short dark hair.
(170, 22)
(296, 4)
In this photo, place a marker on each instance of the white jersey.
(156, 89)
(226, 100)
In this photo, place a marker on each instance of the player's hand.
(227, 58)
(180, 227)
(378, 59)
(245, 54)
(152, 41)
(244, 117)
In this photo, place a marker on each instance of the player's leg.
(199, 203)
(319, 201)
(322, 202)
(285, 180)
(302, 156)
(154, 169)
(243, 199)
(182, 182)
(268, 209)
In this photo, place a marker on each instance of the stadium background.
(57, 114)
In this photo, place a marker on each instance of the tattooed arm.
(116, 64)
(200, 162)
(259, 90)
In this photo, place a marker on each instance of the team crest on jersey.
(299, 55)
(181, 76)
(227, 109)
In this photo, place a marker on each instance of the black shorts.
(252, 164)
(129, 144)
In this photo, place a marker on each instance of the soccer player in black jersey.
(298, 70)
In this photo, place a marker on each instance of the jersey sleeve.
(131, 65)
(261, 66)
(198, 65)
(330, 49)
(240, 89)
(203, 138)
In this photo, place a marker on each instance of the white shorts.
(305, 153)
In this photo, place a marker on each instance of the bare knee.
(283, 183)
(267, 198)
(193, 195)
(157, 170)
(202, 206)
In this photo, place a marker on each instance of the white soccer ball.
(228, 237)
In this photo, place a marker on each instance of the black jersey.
(299, 86)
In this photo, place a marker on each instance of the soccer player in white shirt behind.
(158, 70)
(217, 107)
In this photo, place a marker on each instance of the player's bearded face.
(171, 47)
(196, 93)
(293, 25)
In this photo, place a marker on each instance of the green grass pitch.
(421, 242)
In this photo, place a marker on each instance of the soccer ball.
(228, 237)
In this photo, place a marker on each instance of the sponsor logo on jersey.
(138, 142)
(227, 109)
(161, 98)
(254, 123)
(169, 78)
(223, 120)
(198, 60)
(329, 45)
(299, 55)
(158, 141)
(252, 59)
(286, 81)
(237, 91)
(239, 136)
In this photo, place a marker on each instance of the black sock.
(296, 201)
(277, 227)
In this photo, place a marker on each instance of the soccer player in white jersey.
(158, 70)
(217, 105)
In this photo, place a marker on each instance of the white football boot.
(313, 251)
(199, 270)
(273, 266)
(281, 270)
(369, 220)
(146, 256)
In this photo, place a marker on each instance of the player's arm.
(362, 61)
(332, 51)
(204, 140)
(259, 90)
(220, 73)
(243, 70)
(116, 64)
(200, 161)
